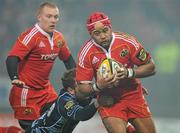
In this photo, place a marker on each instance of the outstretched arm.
(71, 109)
(86, 112)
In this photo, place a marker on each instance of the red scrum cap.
(97, 17)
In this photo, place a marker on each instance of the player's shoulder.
(129, 39)
(28, 35)
(58, 34)
(67, 101)
(124, 35)
(31, 31)
(87, 46)
(66, 96)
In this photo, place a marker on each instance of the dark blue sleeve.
(70, 108)
(86, 112)
(12, 66)
(70, 63)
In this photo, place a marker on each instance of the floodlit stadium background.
(156, 23)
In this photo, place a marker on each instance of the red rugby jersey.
(37, 51)
(124, 49)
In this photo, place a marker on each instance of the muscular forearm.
(145, 70)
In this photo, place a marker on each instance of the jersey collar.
(108, 53)
(42, 31)
(46, 34)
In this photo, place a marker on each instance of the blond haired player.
(30, 62)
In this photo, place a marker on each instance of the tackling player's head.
(68, 79)
(99, 27)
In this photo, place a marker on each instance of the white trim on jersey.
(84, 52)
(85, 82)
(24, 96)
(131, 41)
(41, 30)
(108, 53)
(47, 35)
(28, 37)
(89, 45)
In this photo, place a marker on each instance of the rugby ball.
(108, 67)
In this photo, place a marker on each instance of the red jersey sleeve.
(64, 52)
(22, 46)
(84, 70)
(84, 73)
(139, 55)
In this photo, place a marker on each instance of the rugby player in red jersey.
(30, 62)
(125, 86)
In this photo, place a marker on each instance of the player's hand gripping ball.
(109, 67)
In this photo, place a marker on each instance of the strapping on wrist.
(96, 88)
(131, 73)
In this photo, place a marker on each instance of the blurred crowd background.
(156, 23)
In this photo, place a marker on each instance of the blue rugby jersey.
(63, 115)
